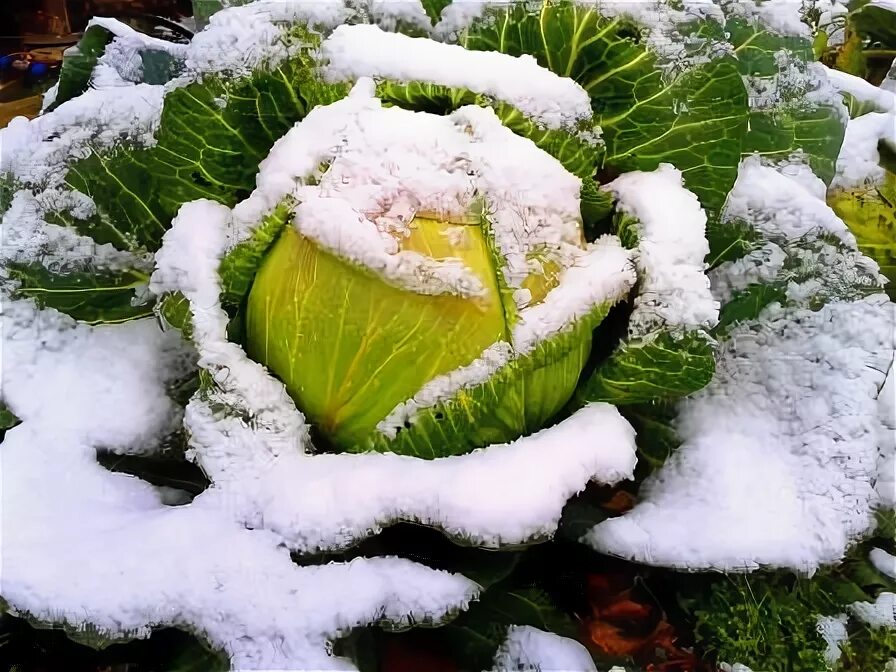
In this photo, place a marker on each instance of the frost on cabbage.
(430, 264)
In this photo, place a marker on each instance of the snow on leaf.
(326, 501)
(668, 352)
(189, 566)
(533, 650)
(792, 411)
(368, 51)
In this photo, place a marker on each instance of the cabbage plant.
(431, 263)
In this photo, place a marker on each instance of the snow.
(833, 630)
(446, 386)
(673, 288)
(358, 51)
(335, 226)
(122, 60)
(507, 493)
(782, 16)
(861, 90)
(783, 203)
(34, 155)
(779, 457)
(859, 160)
(529, 649)
(760, 266)
(392, 14)
(663, 26)
(49, 96)
(779, 452)
(28, 237)
(78, 389)
(889, 5)
(36, 151)
(601, 275)
(886, 480)
(878, 614)
(883, 562)
(391, 164)
(239, 40)
(797, 85)
(832, 20)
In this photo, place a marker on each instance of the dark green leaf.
(433, 9)
(874, 21)
(654, 432)
(78, 63)
(94, 296)
(8, 420)
(789, 122)
(746, 305)
(212, 136)
(815, 129)
(729, 241)
(662, 366)
(597, 206)
(579, 517)
(694, 120)
(475, 635)
(238, 267)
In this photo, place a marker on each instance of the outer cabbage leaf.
(875, 21)
(694, 120)
(202, 150)
(659, 367)
(667, 352)
(790, 110)
(135, 58)
(580, 154)
(89, 295)
(78, 63)
(870, 213)
(476, 635)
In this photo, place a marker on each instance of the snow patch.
(602, 274)
(859, 161)
(529, 649)
(783, 203)
(36, 151)
(878, 614)
(673, 288)
(358, 51)
(189, 566)
(779, 452)
(239, 40)
(861, 90)
(883, 562)
(833, 631)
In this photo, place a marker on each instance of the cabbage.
(332, 267)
